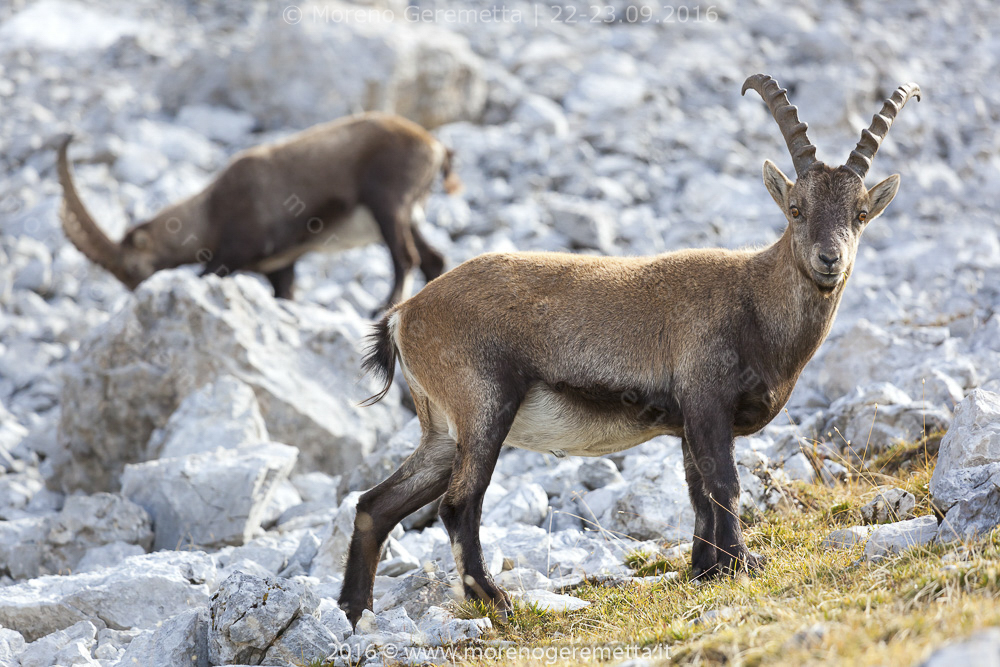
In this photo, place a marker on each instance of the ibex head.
(827, 207)
(127, 261)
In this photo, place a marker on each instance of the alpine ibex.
(589, 355)
(334, 186)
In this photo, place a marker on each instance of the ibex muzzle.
(590, 355)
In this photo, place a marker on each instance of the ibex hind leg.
(421, 479)
(479, 446)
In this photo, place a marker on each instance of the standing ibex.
(590, 355)
(338, 185)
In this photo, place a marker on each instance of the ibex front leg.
(709, 436)
(704, 556)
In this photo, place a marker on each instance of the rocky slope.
(169, 457)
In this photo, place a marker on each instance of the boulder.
(527, 504)
(11, 645)
(108, 555)
(797, 467)
(845, 538)
(307, 72)
(249, 614)
(210, 499)
(386, 459)
(56, 647)
(223, 413)
(305, 641)
(598, 473)
(650, 510)
(181, 641)
(217, 123)
(418, 591)
(894, 538)
(966, 480)
(874, 417)
(889, 506)
(863, 355)
(140, 593)
(980, 650)
(181, 333)
(973, 441)
(55, 544)
(439, 628)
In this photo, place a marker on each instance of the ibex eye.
(794, 211)
(862, 216)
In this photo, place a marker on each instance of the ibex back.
(590, 355)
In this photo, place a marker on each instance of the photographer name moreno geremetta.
(491, 14)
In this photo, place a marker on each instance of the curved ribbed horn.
(81, 229)
(803, 153)
(860, 160)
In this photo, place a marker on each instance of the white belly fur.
(548, 422)
(356, 230)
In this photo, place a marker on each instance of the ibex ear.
(880, 196)
(777, 184)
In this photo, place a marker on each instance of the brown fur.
(275, 202)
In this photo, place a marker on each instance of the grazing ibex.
(589, 355)
(338, 185)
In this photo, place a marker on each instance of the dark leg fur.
(703, 552)
(422, 478)
(462, 505)
(283, 280)
(710, 442)
(431, 261)
(394, 223)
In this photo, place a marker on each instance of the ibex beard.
(590, 355)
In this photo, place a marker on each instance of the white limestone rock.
(35, 546)
(182, 332)
(585, 224)
(527, 504)
(249, 614)
(57, 648)
(210, 499)
(439, 628)
(181, 641)
(982, 649)
(223, 413)
(598, 473)
(139, 593)
(845, 538)
(305, 72)
(554, 602)
(894, 538)
(966, 480)
(889, 506)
